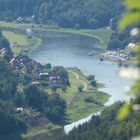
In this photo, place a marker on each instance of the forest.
(89, 14)
(106, 126)
(17, 90)
(29, 90)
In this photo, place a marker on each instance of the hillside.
(89, 14)
(106, 127)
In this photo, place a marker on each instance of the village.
(33, 72)
(120, 55)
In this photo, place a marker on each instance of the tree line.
(88, 14)
(106, 126)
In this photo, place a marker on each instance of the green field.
(41, 133)
(14, 37)
(77, 107)
(22, 41)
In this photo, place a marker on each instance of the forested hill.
(106, 127)
(65, 13)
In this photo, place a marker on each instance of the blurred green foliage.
(132, 18)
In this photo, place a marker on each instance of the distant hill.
(65, 13)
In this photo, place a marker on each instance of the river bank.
(102, 34)
(122, 57)
(22, 42)
(76, 54)
(89, 99)
(106, 72)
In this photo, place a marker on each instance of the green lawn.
(14, 25)
(79, 109)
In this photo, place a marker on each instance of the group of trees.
(8, 83)
(92, 80)
(106, 127)
(8, 80)
(51, 105)
(119, 40)
(88, 14)
(62, 73)
(4, 43)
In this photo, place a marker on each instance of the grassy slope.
(13, 37)
(77, 107)
(21, 40)
(42, 133)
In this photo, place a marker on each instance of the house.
(55, 81)
(19, 20)
(36, 83)
(19, 110)
(130, 46)
(43, 76)
(15, 62)
(2, 51)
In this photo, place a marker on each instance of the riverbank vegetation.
(106, 126)
(86, 14)
(102, 34)
(90, 99)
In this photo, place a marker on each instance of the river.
(79, 51)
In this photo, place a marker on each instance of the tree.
(55, 108)
(77, 27)
(80, 88)
(43, 13)
(19, 99)
(92, 23)
(48, 66)
(8, 122)
(115, 44)
(8, 81)
(54, 88)
(91, 77)
(60, 71)
(64, 88)
(35, 97)
(93, 83)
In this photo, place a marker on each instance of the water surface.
(79, 51)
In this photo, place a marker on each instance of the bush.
(93, 83)
(91, 77)
(115, 44)
(89, 100)
(77, 27)
(80, 88)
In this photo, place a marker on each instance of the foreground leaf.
(124, 111)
